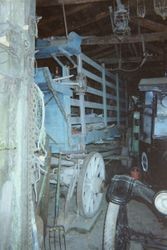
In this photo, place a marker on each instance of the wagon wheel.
(92, 174)
(144, 162)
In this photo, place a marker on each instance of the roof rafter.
(43, 3)
(112, 39)
(149, 24)
(69, 13)
(112, 60)
(155, 49)
(98, 50)
(50, 43)
(87, 22)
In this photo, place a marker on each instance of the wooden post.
(17, 21)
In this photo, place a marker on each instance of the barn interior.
(83, 103)
(139, 51)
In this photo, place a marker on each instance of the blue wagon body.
(83, 105)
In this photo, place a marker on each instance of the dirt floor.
(141, 219)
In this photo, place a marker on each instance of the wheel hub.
(144, 162)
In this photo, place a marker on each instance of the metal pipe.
(143, 191)
(123, 188)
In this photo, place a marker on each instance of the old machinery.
(153, 131)
(118, 234)
(119, 18)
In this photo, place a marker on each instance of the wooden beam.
(112, 60)
(97, 51)
(84, 23)
(72, 11)
(46, 3)
(155, 49)
(112, 39)
(50, 43)
(134, 49)
(107, 53)
(149, 24)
